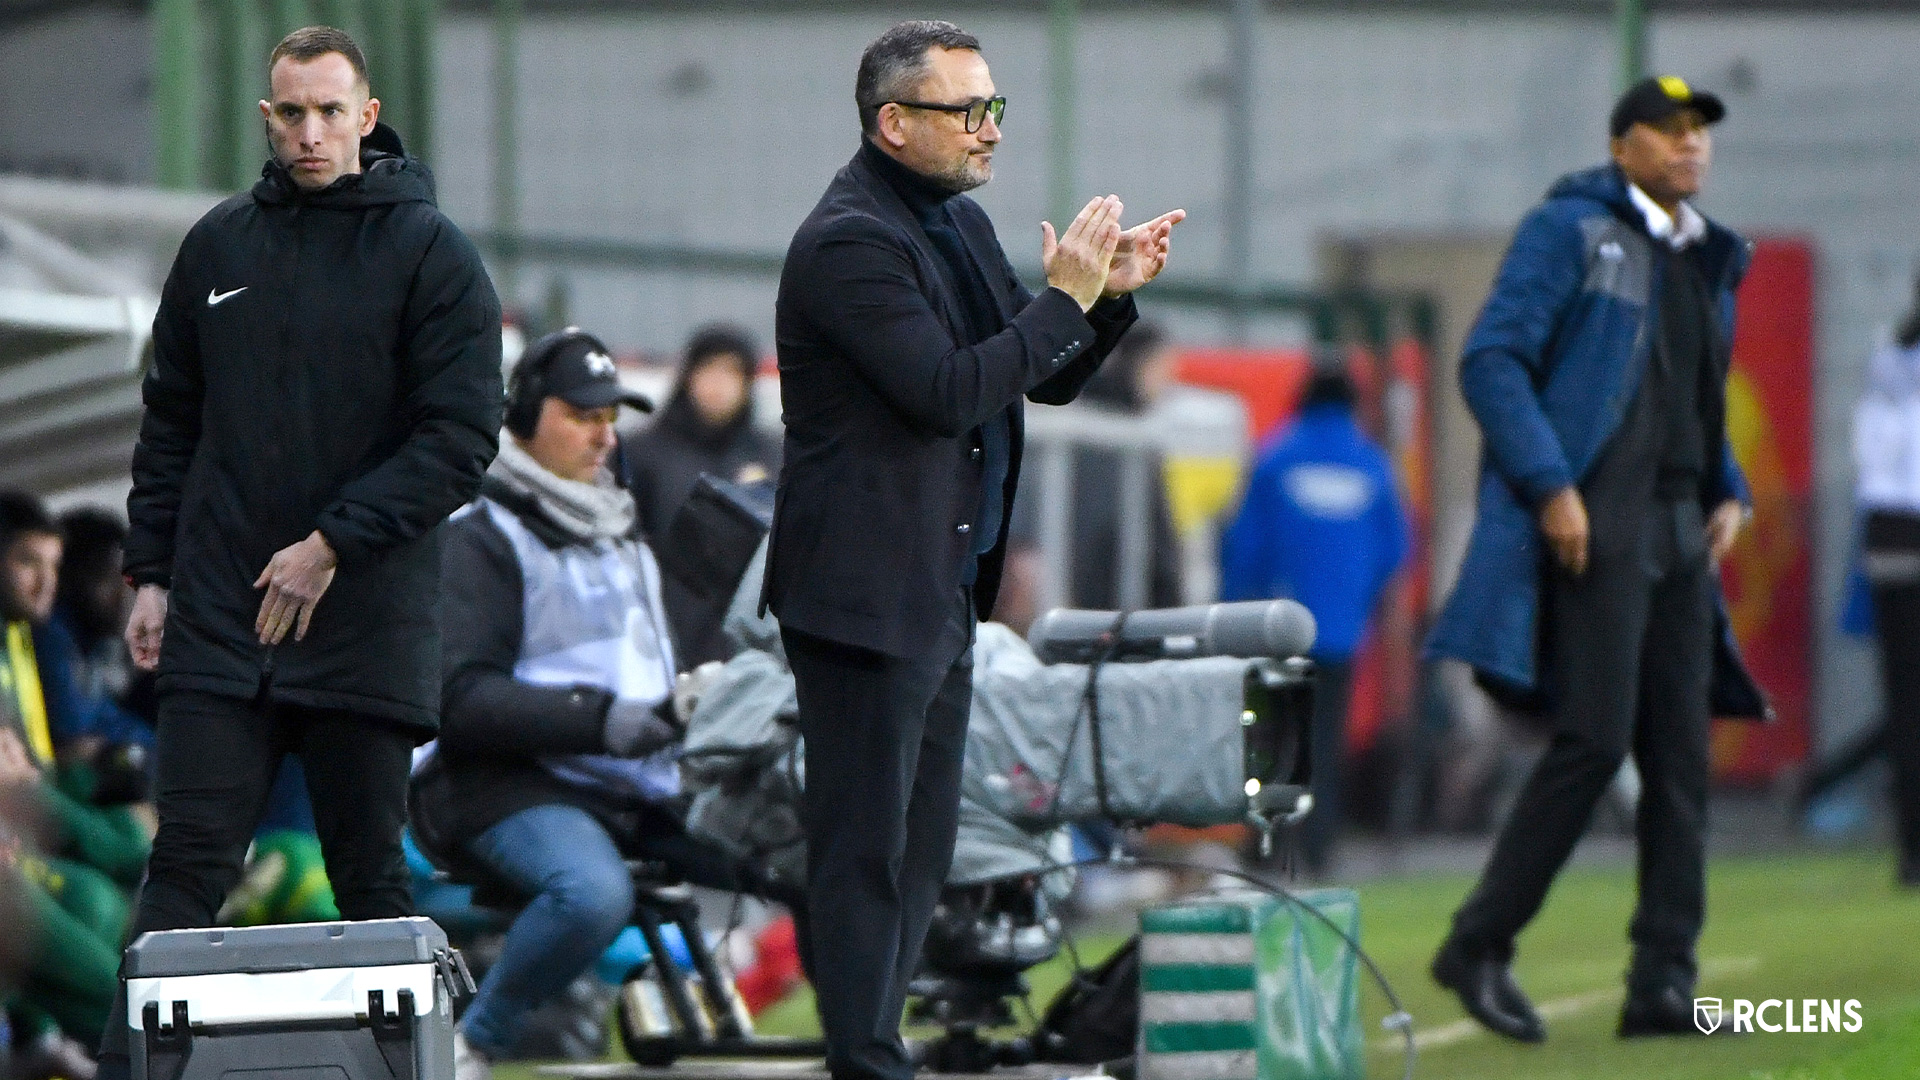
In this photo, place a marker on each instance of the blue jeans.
(582, 898)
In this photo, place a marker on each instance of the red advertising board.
(1768, 577)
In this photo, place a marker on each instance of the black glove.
(636, 730)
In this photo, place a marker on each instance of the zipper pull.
(266, 676)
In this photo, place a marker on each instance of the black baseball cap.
(1653, 99)
(577, 368)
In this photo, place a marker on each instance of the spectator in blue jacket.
(1321, 523)
(85, 668)
(1608, 495)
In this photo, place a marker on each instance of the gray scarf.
(601, 510)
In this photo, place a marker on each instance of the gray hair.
(896, 63)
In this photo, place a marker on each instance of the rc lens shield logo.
(1800, 1015)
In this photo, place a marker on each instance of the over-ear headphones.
(527, 387)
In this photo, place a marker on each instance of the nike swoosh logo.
(219, 297)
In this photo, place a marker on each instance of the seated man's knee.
(597, 898)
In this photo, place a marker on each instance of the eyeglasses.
(976, 111)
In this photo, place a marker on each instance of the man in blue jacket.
(1608, 496)
(1321, 523)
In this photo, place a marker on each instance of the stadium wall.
(718, 125)
(716, 129)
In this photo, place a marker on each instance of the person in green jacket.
(72, 863)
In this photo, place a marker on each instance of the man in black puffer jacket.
(325, 390)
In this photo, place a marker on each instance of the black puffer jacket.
(324, 360)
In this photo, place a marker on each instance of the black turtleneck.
(929, 201)
(922, 194)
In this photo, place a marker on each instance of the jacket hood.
(682, 417)
(1604, 184)
(387, 176)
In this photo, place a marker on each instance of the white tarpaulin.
(1170, 734)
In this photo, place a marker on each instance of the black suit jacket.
(883, 397)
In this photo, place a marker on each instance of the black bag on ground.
(1096, 1017)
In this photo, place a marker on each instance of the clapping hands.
(1095, 257)
(1142, 253)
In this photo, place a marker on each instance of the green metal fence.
(210, 68)
(1374, 317)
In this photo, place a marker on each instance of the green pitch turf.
(1788, 926)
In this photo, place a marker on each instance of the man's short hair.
(1329, 385)
(896, 63)
(310, 43)
(92, 538)
(22, 513)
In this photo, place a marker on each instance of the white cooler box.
(314, 1001)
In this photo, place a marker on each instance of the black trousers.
(1896, 614)
(885, 738)
(216, 760)
(1332, 696)
(1632, 648)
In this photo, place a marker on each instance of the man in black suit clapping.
(906, 344)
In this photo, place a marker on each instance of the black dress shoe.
(1668, 1012)
(1489, 994)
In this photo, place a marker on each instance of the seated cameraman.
(555, 756)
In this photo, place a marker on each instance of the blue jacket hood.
(1603, 184)
(1726, 254)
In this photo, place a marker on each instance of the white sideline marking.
(1557, 1009)
(709, 1069)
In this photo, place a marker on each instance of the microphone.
(1249, 628)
